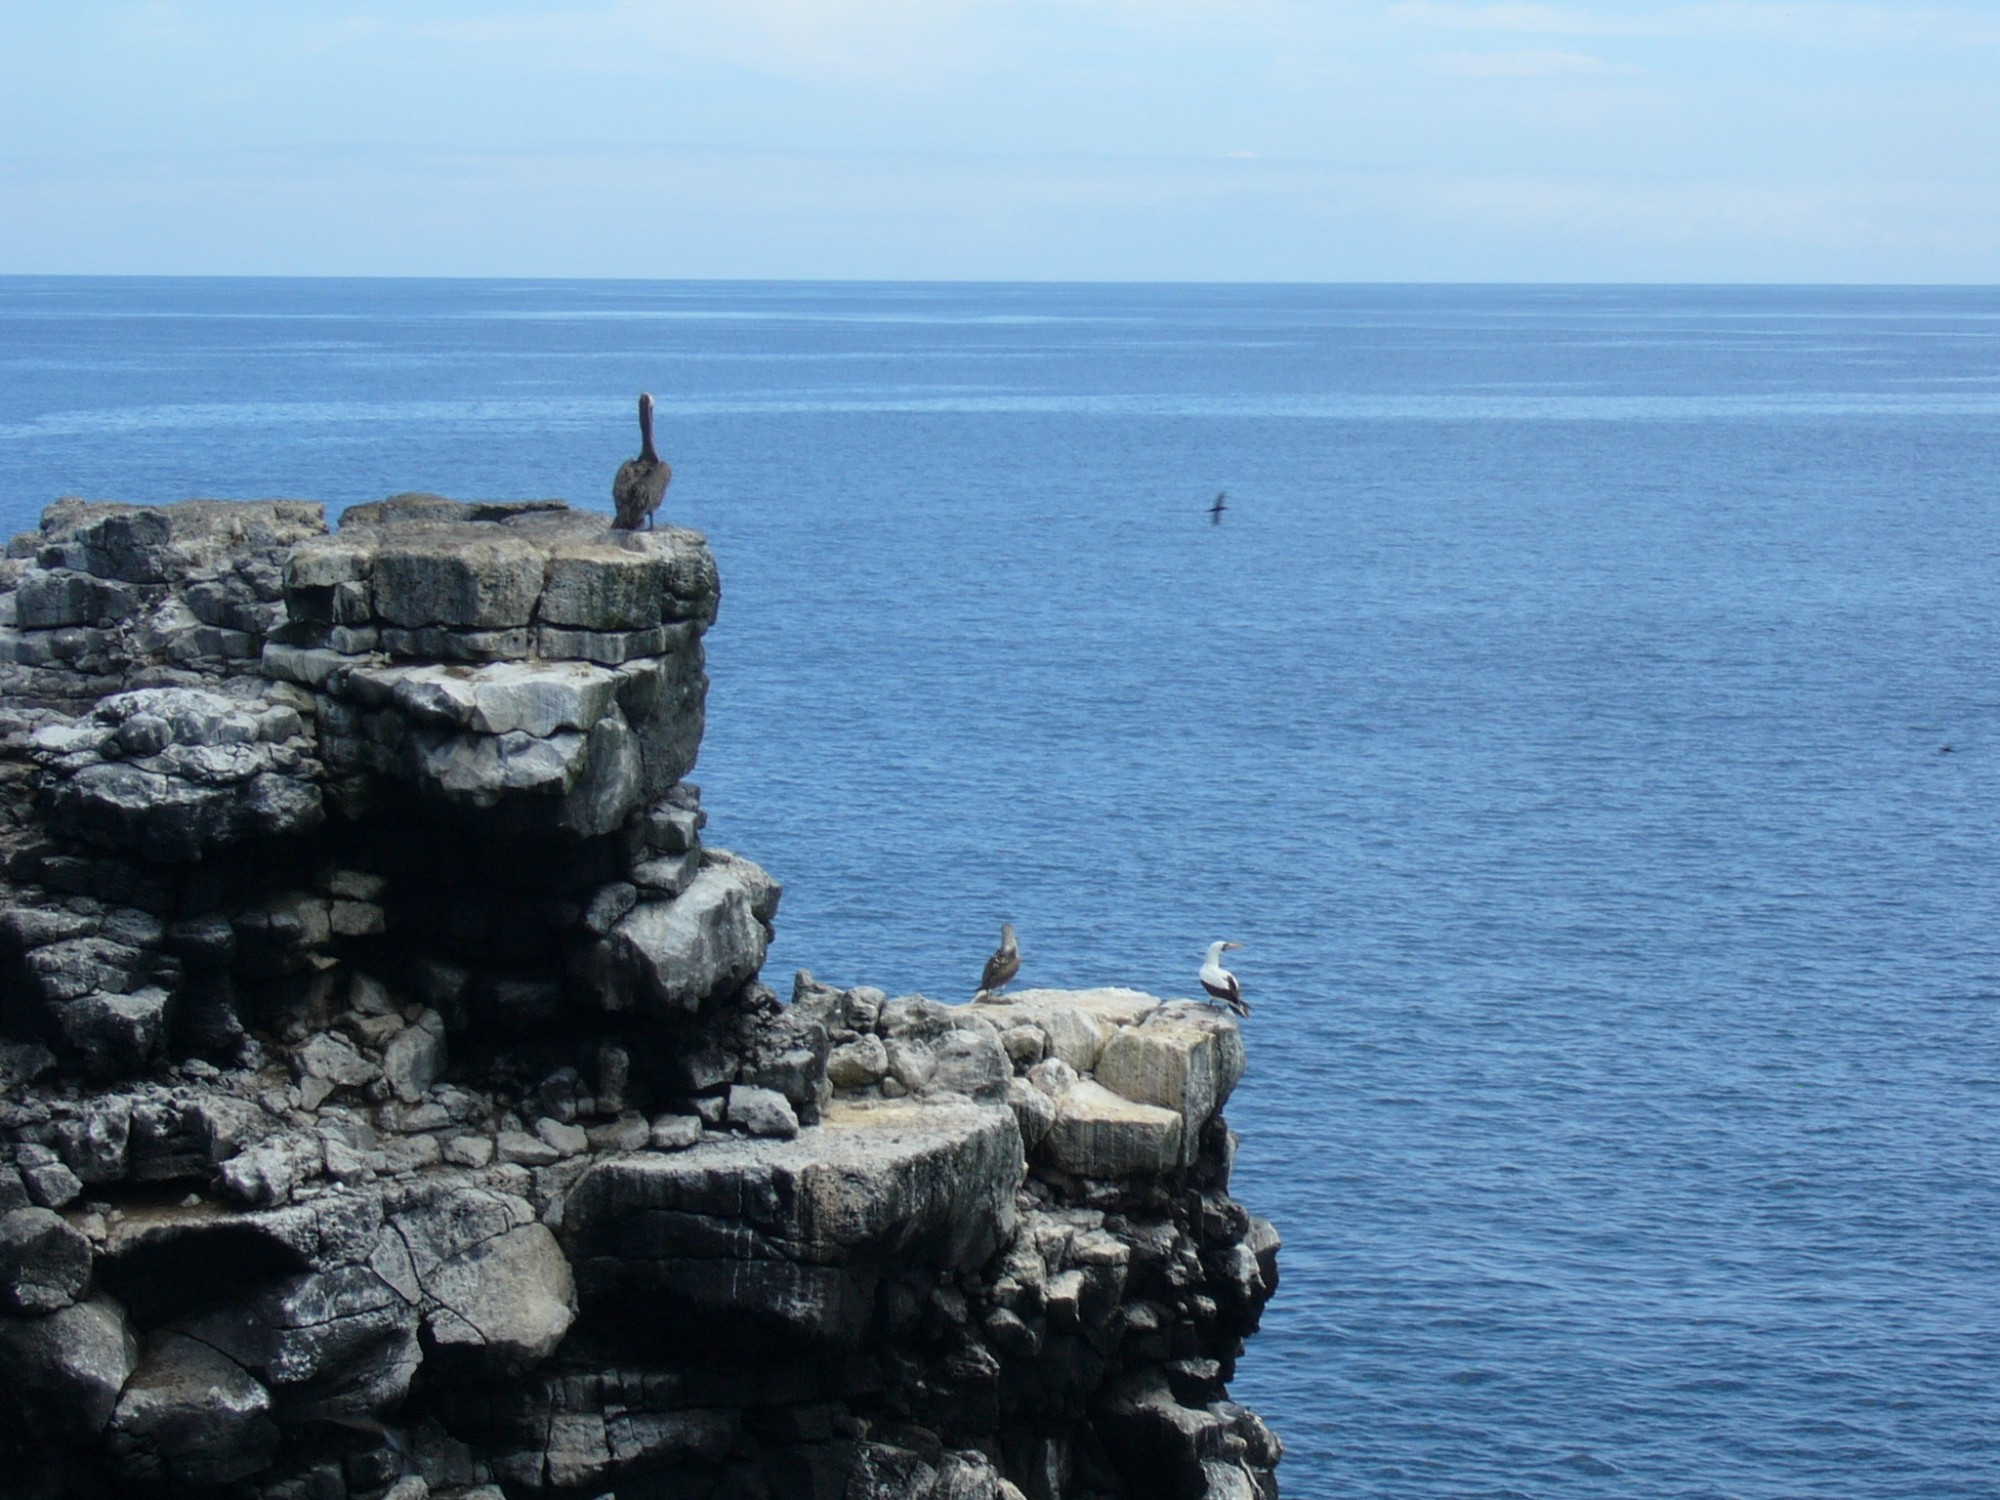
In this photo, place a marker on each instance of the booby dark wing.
(1230, 995)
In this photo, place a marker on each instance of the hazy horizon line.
(1748, 283)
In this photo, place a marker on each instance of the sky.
(1171, 140)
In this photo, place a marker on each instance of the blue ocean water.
(1587, 717)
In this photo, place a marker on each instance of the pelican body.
(1220, 983)
(641, 481)
(1002, 966)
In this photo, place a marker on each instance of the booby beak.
(1232, 945)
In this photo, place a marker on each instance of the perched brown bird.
(641, 481)
(1220, 983)
(1002, 966)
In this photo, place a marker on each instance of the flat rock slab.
(423, 562)
(1109, 1005)
(1184, 1057)
(1076, 1022)
(794, 1231)
(153, 544)
(871, 1177)
(537, 698)
(458, 578)
(1100, 1134)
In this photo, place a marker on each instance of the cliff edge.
(390, 1105)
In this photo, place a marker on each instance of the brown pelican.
(1002, 966)
(1220, 983)
(641, 481)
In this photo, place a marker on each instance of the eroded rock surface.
(392, 1107)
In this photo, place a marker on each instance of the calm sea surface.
(1560, 720)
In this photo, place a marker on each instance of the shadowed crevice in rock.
(393, 1106)
(186, 1264)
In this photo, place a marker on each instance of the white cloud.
(158, 23)
(1822, 24)
(1005, 137)
(795, 214)
(1518, 64)
(871, 42)
(911, 43)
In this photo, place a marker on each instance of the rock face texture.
(390, 1105)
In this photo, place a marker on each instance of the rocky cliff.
(392, 1107)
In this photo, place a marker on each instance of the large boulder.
(670, 957)
(317, 1325)
(515, 659)
(788, 1237)
(476, 578)
(495, 1289)
(1099, 1134)
(415, 1056)
(69, 1366)
(111, 1032)
(1184, 1057)
(604, 585)
(761, 1112)
(969, 1060)
(191, 1417)
(44, 1264)
(506, 1301)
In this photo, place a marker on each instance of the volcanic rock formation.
(390, 1107)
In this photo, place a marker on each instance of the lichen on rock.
(392, 1105)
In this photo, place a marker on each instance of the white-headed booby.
(1220, 983)
(1002, 966)
(641, 481)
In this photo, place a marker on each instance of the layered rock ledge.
(392, 1105)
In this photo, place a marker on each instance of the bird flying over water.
(641, 481)
(1002, 966)
(1220, 983)
(1215, 511)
